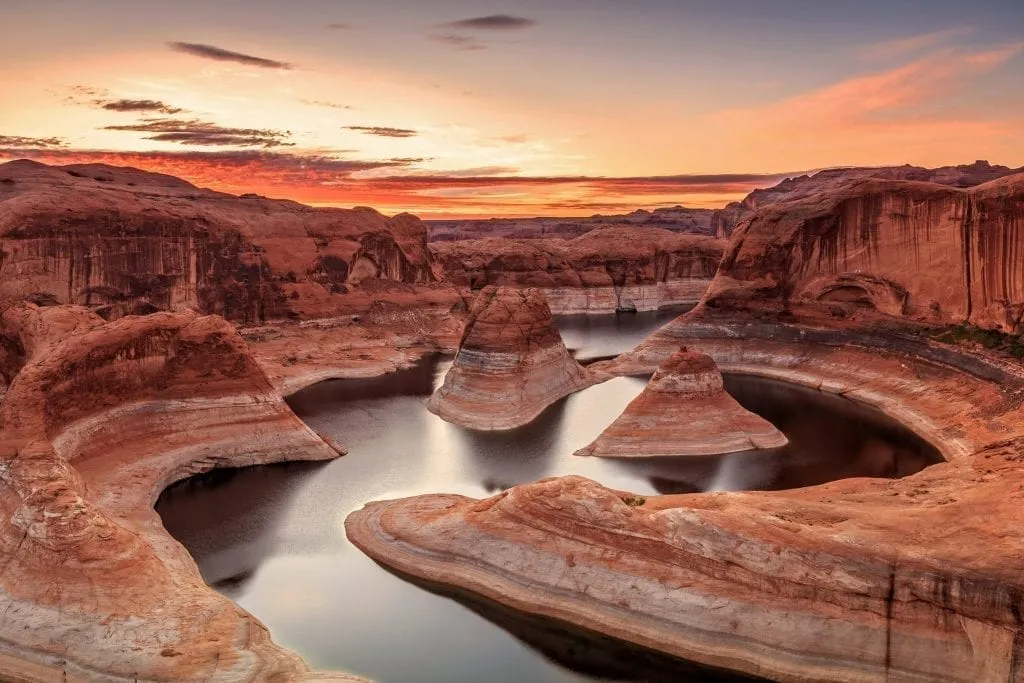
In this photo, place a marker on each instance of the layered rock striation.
(882, 248)
(511, 363)
(606, 269)
(674, 219)
(684, 411)
(120, 241)
(98, 419)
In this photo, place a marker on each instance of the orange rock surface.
(511, 363)
(120, 240)
(684, 411)
(902, 249)
(98, 419)
(609, 268)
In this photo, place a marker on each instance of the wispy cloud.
(337, 26)
(325, 103)
(899, 47)
(222, 55)
(384, 131)
(493, 22)
(457, 41)
(151, 106)
(195, 132)
(29, 142)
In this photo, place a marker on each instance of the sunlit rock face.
(511, 363)
(99, 417)
(913, 250)
(726, 219)
(684, 411)
(610, 268)
(121, 241)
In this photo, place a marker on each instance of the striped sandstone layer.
(99, 418)
(511, 363)
(684, 411)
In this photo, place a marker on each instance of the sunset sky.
(519, 107)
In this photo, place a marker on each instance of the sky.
(520, 107)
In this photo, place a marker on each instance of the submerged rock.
(511, 363)
(685, 410)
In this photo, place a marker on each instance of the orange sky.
(454, 110)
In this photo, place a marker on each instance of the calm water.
(272, 538)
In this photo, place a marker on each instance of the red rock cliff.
(120, 240)
(915, 250)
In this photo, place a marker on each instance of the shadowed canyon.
(249, 439)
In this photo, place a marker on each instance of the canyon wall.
(675, 219)
(99, 418)
(604, 270)
(914, 250)
(726, 219)
(121, 241)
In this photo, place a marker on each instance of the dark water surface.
(272, 538)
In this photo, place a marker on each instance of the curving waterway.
(272, 538)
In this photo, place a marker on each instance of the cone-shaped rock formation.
(684, 410)
(511, 363)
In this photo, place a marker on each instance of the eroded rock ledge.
(98, 419)
(859, 580)
(684, 411)
(511, 363)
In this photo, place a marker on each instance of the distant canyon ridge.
(123, 241)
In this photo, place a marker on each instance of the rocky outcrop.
(675, 219)
(898, 249)
(99, 418)
(511, 363)
(684, 411)
(604, 270)
(120, 241)
(858, 580)
(726, 219)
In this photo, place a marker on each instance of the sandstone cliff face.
(511, 363)
(684, 411)
(725, 220)
(125, 241)
(913, 250)
(605, 269)
(98, 419)
(676, 219)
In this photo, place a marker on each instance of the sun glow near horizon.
(444, 111)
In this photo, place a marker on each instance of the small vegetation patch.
(634, 501)
(993, 340)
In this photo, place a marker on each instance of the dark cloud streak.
(195, 132)
(139, 106)
(222, 55)
(35, 143)
(458, 42)
(493, 22)
(384, 131)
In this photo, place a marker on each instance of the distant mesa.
(684, 411)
